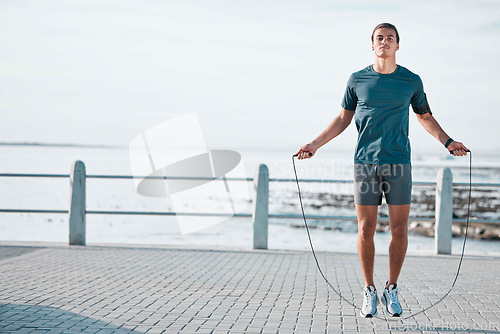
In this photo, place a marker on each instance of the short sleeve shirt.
(381, 103)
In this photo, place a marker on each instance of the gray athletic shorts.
(371, 181)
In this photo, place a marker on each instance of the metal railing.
(260, 214)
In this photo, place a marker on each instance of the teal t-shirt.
(381, 103)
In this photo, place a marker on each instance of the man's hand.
(457, 148)
(307, 151)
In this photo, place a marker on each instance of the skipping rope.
(350, 302)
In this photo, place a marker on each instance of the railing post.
(261, 207)
(77, 206)
(444, 211)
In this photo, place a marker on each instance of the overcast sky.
(260, 73)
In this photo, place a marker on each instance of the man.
(378, 97)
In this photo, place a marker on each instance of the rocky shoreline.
(485, 204)
(480, 231)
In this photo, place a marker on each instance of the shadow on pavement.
(22, 318)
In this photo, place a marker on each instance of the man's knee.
(400, 230)
(366, 229)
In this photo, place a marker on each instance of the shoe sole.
(368, 315)
(395, 315)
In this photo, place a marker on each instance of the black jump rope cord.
(350, 302)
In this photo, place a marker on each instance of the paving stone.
(119, 290)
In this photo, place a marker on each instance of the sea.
(320, 198)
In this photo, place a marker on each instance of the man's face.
(384, 43)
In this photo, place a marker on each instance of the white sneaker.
(370, 302)
(391, 301)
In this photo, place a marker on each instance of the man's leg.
(398, 221)
(367, 222)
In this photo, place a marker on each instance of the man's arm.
(336, 127)
(432, 126)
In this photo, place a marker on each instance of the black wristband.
(448, 142)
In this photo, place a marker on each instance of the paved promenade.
(73, 289)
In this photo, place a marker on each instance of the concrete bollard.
(77, 206)
(444, 211)
(261, 207)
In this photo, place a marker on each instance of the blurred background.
(84, 78)
(261, 74)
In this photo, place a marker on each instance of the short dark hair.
(386, 25)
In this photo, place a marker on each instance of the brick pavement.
(92, 289)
